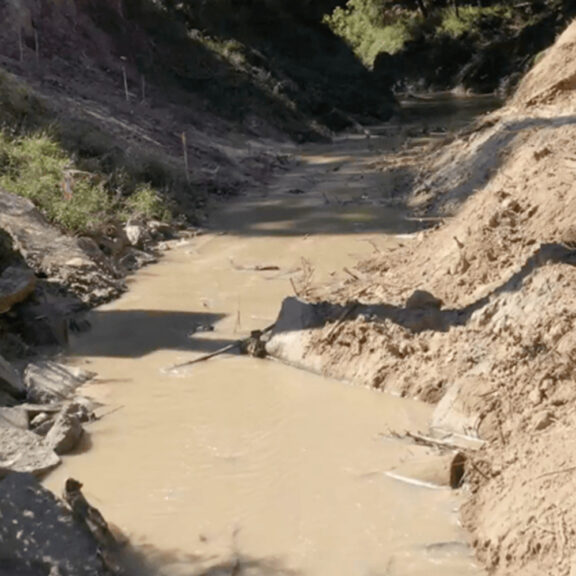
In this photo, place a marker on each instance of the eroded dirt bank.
(492, 340)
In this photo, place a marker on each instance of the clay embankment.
(495, 344)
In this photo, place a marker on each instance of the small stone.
(535, 396)
(542, 420)
(423, 300)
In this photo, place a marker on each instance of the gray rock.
(24, 451)
(66, 431)
(50, 253)
(134, 259)
(48, 381)
(38, 534)
(14, 417)
(84, 408)
(136, 234)
(10, 380)
(16, 285)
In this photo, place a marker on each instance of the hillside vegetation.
(437, 44)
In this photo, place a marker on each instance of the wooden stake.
(125, 76)
(37, 46)
(185, 154)
(20, 44)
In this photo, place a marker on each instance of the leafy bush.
(147, 203)
(364, 26)
(469, 19)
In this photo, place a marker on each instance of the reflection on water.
(446, 110)
(243, 466)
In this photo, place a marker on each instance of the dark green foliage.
(442, 43)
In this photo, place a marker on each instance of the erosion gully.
(246, 466)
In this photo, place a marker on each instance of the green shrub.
(147, 203)
(36, 167)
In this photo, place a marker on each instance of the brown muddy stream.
(245, 466)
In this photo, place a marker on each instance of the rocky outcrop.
(33, 434)
(48, 381)
(53, 255)
(40, 536)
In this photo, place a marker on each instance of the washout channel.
(245, 466)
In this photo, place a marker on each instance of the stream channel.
(246, 466)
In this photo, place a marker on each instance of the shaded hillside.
(242, 60)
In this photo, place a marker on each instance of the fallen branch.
(109, 413)
(350, 273)
(555, 472)
(294, 288)
(241, 344)
(207, 356)
(428, 441)
(347, 311)
(255, 267)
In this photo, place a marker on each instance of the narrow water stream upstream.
(245, 466)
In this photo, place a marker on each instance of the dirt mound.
(498, 345)
(553, 79)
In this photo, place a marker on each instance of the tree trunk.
(422, 7)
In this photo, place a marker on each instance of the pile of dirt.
(477, 313)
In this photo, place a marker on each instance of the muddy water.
(247, 466)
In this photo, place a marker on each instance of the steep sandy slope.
(501, 350)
